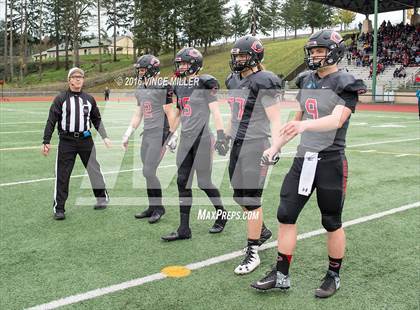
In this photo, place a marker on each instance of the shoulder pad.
(347, 82)
(209, 81)
(267, 80)
(301, 76)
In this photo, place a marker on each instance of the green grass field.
(42, 260)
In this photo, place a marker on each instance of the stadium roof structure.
(367, 6)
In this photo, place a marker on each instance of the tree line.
(157, 26)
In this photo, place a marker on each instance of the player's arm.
(330, 122)
(172, 140)
(222, 141)
(217, 116)
(53, 117)
(134, 124)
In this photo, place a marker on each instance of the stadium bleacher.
(398, 46)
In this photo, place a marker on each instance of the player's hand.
(45, 149)
(125, 143)
(293, 128)
(172, 142)
(222, 143)
(270, 157)
(107, 143)
(127, 136)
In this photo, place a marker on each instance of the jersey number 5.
(311, 107)
(186, 108)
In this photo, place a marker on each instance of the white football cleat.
(250, 262)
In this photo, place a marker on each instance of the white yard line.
(403, 155)
(383, 142)
(19, 123)
(171, 166)
(205, 263)
(85, 175)
(367, 151)
(23, 131)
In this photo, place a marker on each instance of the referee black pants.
(68, 148)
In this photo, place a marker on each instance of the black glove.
(265, 161)
(222, 144)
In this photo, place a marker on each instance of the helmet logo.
(193, 53)
(155, 62)
(257, 46)
(235, 50)
(335, 37)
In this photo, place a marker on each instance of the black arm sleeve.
(169, 94)
(53, 118)
(350, 99)
(95, 116)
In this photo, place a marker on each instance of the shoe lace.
(249, 255)
(269, 274)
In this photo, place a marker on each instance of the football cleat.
(250, 262)
(273, 280)
(59, 215)
(156, 215)
(101, 203)
(177, 235)
(145, 213)
(219, 224)
(330, 284)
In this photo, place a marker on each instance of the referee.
(74, 111)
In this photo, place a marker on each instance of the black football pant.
(247, 176)
(68, 148)
(196, 154)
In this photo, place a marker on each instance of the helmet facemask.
(152, 69)
(240, 65)
(332, 56)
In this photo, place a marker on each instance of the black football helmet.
(150, 63)
(189, 55)
(247, 45)
(329, 39)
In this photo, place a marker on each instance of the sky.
(394, 17)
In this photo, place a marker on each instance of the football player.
(154, 105)
(254, 97)
(327, 98)
(196, 100)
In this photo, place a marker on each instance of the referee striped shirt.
(73, 112)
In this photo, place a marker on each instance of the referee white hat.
(74, 70)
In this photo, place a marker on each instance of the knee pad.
(252, 207)
(249, 203)
(284, 216)
(331, 222)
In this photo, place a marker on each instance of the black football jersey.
(151, 100)
(248, 97)
(317, 98)
(193, 101)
